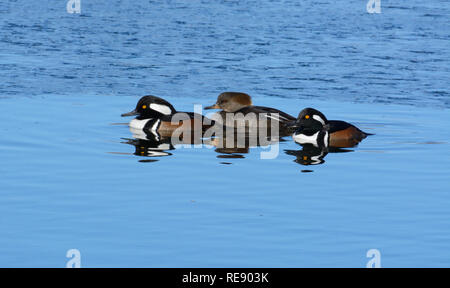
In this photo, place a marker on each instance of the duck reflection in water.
(150, 147)
(313, 155)
(237, 144)
(153, 144)
(228, 143)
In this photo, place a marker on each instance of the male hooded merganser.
(156, 115)
(314, 128)
(237, 102)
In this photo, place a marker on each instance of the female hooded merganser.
(237, 102)
(314, 128)
(156, 115)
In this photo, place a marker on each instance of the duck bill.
(293, 124)
(215, 106)
(132, 113)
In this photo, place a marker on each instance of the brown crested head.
(231, 101)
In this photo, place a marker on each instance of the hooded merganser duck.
(157, 116)
(314, 128)
(238, 102)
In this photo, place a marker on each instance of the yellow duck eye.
(144, 106)
(307, 117)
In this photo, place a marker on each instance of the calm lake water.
(70, 178)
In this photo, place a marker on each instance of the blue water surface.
(69, 180)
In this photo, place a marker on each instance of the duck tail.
(365, 134)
